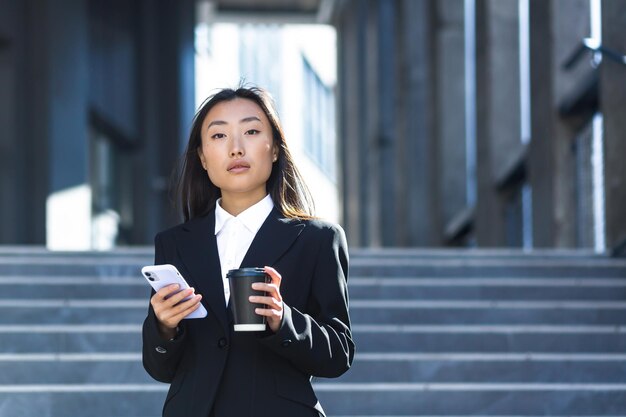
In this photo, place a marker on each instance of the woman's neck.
(235, 204)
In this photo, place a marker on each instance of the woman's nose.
(236, 148)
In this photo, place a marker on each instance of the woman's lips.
(238, 167)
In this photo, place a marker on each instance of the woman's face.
(237, 148)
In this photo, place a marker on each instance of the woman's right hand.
(170, 309)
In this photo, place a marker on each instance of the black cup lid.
(245, 272)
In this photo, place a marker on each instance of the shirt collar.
(252, 217)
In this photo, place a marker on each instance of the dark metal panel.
(613, 105)
(389, 198)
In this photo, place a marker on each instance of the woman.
(245, 205)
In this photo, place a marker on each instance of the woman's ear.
(201, 156)
(275, 154)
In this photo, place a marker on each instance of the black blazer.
(213, 369)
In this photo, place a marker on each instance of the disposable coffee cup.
(240, 281)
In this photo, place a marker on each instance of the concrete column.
(371, 159)
(68, 208)
(12, 210)
(557, 28)
(450, 111)
(349, 52)
(417, 180)
(357, 53)
(362, 152)
(498, 112)
(613, 107)
(390, 195)
(389, 154)
(570, 26)
(166, 91)
(541, 149)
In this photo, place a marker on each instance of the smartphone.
(160, 276)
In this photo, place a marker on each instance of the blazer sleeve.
(160, 356)
(319, 342)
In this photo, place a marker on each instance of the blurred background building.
(489, 123)
(418, 123)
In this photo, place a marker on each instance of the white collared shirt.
(234, 234)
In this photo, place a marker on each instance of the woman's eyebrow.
(244, 120)
(216, 122)
(250, 119)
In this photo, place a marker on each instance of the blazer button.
(160, 349)
(286, 343)
(222, 343)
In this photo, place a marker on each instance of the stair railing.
(589, 44)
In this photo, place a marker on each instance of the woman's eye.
(252, 132)
(218, 136)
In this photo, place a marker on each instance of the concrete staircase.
(439, 333)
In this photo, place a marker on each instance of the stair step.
(133, 310)
(369, 338)
(476, 267)
(487, 312)
(71, 311)
(93, 291)
(70, 338)
(77, 371)
(486, 271)
(413, 263)
(113, 269)
(82, 400)
(501, 288)
(474, 399)
(489, 339)
(505, 368)
(120, 368)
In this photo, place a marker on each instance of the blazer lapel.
(198, 251)
(273, 239)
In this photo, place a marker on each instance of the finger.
(178, 297)
(167, 291)
(171, 315)
(157, 302)
(270, 302)
(269, 313)
(160, 296)
(187, 311)
(261, 286)
(274, 275)
(272, 289)
(184, 305)
(166, 312)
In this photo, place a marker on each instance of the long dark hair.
(285, 184)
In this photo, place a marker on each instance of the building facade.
(489, 123)
(96, 98)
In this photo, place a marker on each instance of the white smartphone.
(160, 276)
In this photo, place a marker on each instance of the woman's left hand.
(273, 300)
